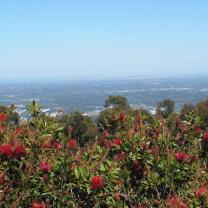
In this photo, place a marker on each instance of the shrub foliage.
(134, 159)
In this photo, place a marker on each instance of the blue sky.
(102, 38)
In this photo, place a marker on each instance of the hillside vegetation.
(128, 158)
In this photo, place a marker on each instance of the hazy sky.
(102, 38)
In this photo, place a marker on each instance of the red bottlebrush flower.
(97, 182)
(1, 178)
(181, 156)
(47, 145)
(122, 116)
(206, 136)
(154, 150)
(138, 167)
(45, 167)
(176, 202)
(72, 143)
(201, 192)
(38, 205)
(120, 156)
(6, 150)
(55, 144)
(106, 143)
(3, 117)
(105, 134)
(17, 131)
(70, 129)
(19, 149)
(117, 141)
(197, 130)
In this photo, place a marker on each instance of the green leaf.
(76, 173)
(102, 168)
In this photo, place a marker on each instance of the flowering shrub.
(72, 143)
(45, 167)
(117, 141)
(97, 182)
(181, 156)
(201, 192)
(136, 160)
(206, 136)
(38, 205)
(6, 150)
(3, 117)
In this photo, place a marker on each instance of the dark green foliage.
(116, 101)
(166, 107)
(108, 119)
(202, 109)
(146, 116)
(84, 129)
(173, 121)
(186, 108)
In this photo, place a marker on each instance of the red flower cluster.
(72, 143)
(17, 131)
(19, 149)
(202, 191)
(97, 182)
(45, 167)
(197, 130)
(117, 141)
(138, 167)
(105, 134)
(53, 144)
(6, 150)
(107, 143)
(12, 150)
(154, 150)
(122, 116)
(120, 156)
(181, 156)
(38, 205)
(176, 202)
(206, 136)
(3, 117)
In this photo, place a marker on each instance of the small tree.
(84, 129)
(34, 108)
(116, 101)
(166, 107)
(109, 117)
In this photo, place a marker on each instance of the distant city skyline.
(88, 39)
